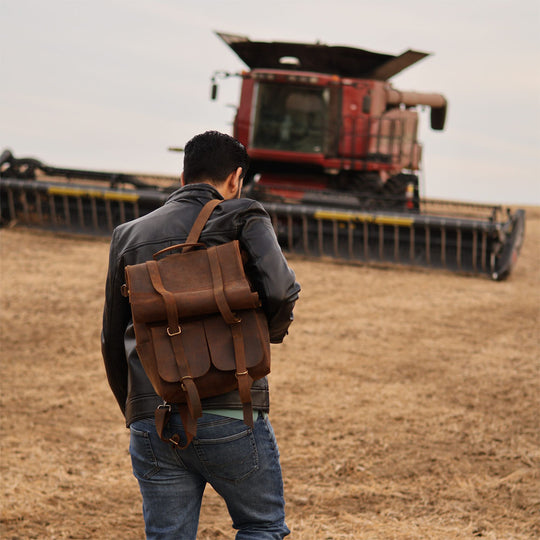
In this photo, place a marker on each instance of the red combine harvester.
(334, 160)
(316, 119)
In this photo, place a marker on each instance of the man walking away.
(242, 464)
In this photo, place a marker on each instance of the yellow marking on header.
(79, 192)
(370, 218)
(389, 220)
(131, 197)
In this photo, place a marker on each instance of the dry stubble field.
(406, 403)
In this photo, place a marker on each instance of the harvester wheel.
(395, 189)
(368, 188)
(396, 185)
(369, 183)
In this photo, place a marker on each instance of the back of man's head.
(212, 156)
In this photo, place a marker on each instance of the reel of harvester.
(75, 200)
(458, 237)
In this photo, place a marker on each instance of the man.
(242, 464)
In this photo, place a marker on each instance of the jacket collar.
(195, 191)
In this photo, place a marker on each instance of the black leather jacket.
(136, 241)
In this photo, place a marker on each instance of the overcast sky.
(111, 84)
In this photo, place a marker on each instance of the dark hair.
(212, 156)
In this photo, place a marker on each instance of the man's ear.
(233, 184)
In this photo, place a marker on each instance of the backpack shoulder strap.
(200, 222)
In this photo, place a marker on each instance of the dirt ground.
(406, 403)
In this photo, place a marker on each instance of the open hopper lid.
(319, 58)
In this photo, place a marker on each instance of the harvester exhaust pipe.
(437, 102)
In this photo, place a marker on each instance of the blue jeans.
(241, 464)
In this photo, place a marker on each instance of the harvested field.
(406, 403)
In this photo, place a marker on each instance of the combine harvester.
(334, 160)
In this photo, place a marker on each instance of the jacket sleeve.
(116, 317)
(269, 271)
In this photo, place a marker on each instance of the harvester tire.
(396, 185)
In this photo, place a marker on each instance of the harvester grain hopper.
(334, 160)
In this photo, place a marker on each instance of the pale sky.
(111, 84)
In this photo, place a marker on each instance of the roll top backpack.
(199, 327)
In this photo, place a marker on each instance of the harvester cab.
(335, 161)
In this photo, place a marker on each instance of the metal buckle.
(174, 333)
(165, 405)
(240, 374)
(182, 382)
(175, 440)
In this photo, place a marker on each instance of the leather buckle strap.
(242, 375)
(188, 384)
(162, 416)
(219, 288)
(168, 298)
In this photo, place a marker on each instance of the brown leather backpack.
(199, 328)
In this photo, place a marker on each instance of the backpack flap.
(188, 277)
(255, 337)
(194, 346)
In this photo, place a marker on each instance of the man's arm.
(269, 271)
(116, 316)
